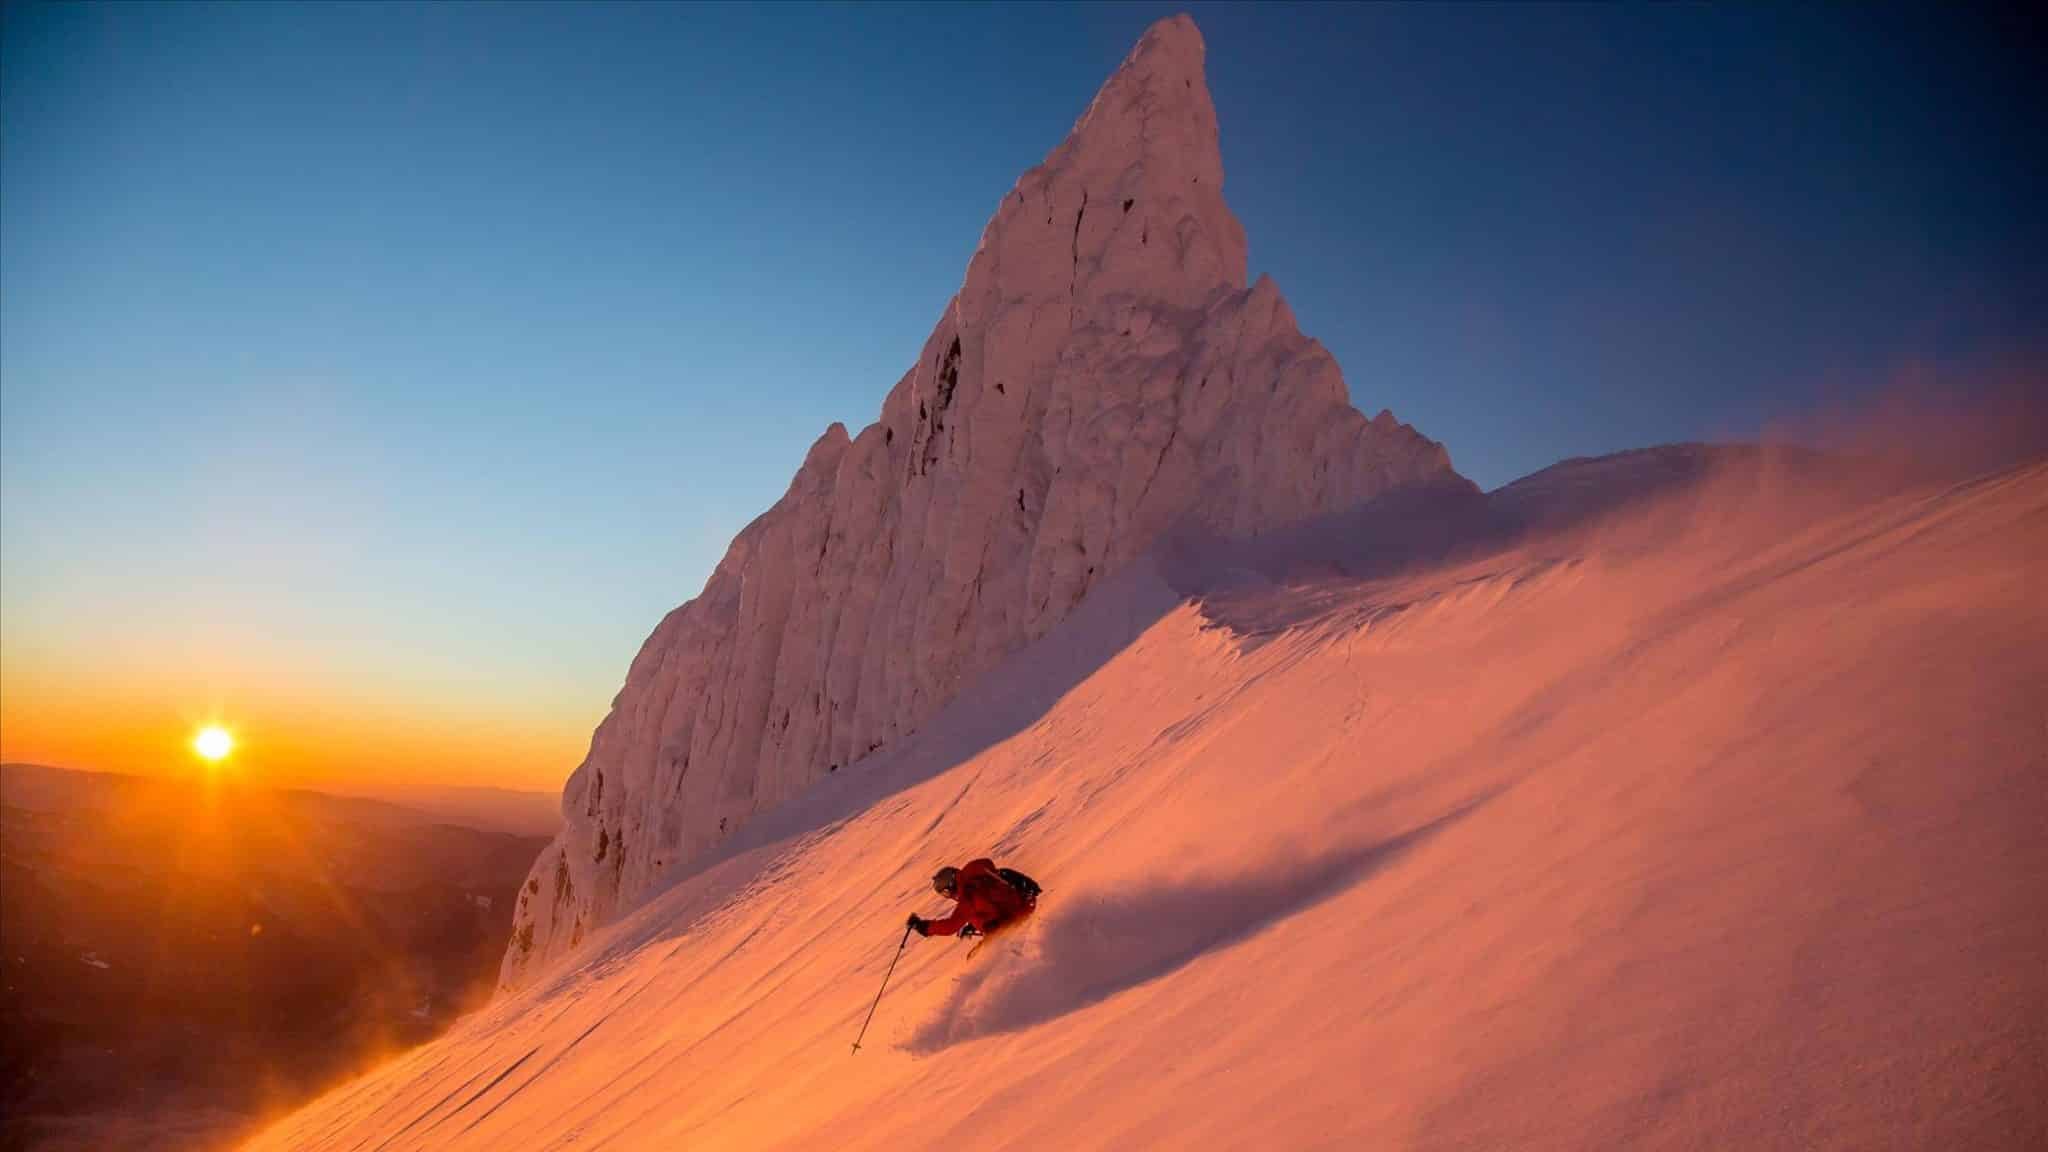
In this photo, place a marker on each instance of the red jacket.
(986, 900)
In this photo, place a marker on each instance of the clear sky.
(375, 377)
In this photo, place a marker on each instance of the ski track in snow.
(1711, 824)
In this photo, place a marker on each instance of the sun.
(213, 743)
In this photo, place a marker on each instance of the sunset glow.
(213, 743)
(147, 721)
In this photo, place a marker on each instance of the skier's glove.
(917, 924)
(969, 931)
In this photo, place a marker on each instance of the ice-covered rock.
(1103, 375)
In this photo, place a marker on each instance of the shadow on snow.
(1086, 952)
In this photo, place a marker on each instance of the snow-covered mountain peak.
(1103, 377)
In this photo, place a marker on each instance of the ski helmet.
(945, 881)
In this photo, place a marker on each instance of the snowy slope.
(1715, 823)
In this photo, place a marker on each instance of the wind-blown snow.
(1712, 824)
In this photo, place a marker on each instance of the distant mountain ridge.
(45, 787)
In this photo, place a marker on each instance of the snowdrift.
(1714, 821)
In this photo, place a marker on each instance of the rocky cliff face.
(1103, 375)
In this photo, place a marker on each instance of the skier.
(987, 899)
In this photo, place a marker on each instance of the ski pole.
(885, 983)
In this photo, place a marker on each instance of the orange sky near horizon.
(288, 731)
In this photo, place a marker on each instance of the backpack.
(1025, 885)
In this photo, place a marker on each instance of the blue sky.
(445, 347)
